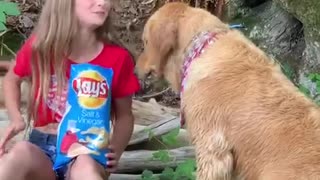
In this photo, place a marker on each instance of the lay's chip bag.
(85, 126)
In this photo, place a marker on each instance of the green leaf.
(287, 70)
(186, 169)
(312, 76)
(304, 90)
(318, 86)
(148, 175)
(167, 174)
(171, 137)
(161, 155)
(10, 8)
(2, 17)
(150, 133)
(2, 27)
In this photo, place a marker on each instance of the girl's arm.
(123, 125)
(19, 69)
(12, 95)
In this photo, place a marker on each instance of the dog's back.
(273, 128)
(241, 111)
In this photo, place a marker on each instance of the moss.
(255, 24)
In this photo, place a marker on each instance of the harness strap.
(198, 46)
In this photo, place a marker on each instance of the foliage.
(184, 170)
(315, 78)
(287, 70)
(7, 9)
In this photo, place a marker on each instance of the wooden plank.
(147, 113)
(159, 128)
(125, 177)
(139, 160)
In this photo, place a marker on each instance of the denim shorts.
(47, 143)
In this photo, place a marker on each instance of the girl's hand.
(112, 162)
(16, 125)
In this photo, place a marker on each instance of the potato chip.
(78, 148)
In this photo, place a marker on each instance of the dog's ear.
(162, 39)
(163, 36)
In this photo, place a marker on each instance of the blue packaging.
(85, 125)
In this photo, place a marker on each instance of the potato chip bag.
(85, 125)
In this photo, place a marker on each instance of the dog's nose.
(149, 74)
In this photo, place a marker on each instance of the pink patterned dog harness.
(197, 47)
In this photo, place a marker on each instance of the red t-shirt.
(124, 82)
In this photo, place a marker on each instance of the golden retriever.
(244, 117)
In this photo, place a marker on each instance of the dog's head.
(166, 35)
(160, 40)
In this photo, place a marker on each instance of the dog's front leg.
(214, 157)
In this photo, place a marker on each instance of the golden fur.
(245, 118)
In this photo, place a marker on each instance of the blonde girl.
(68, 32)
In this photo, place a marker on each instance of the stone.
(276, 32)
(307, 12)
(235, 8)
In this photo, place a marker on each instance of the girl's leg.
(84, 167)
(26, 161)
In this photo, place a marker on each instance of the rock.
(277, 32)
(307, 12)
(236, 8)
(253, 3)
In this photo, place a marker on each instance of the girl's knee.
(85, 162)
(21, 150)
(85, 166)
(29, 159)
(18, 157)
(25, 152)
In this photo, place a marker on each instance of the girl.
(68, 31)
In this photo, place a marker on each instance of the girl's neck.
(85, 47)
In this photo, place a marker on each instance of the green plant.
(287, 70)
(184, 170)
(7, 9)
(315, 78)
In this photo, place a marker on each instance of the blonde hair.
(55, 31)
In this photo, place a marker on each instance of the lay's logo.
(91, 88)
